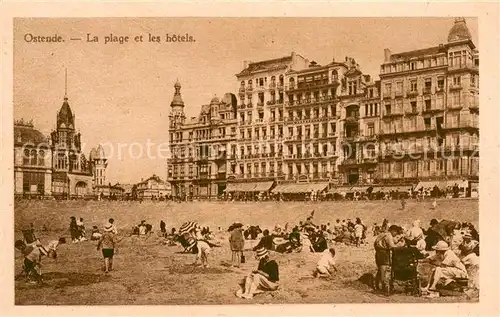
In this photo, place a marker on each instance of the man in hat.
(107, 242)
(265, 278)
(468, 245)
(384, 243)
(448, 267)
(432, 236)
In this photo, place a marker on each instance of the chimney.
(307, 63)
(387, 55)
(245, 64)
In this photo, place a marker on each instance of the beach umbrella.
(187, 227)
(445, 228)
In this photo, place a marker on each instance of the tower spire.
(65, 84)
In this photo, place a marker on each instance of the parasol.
(187, 227)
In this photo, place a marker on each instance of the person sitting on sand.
(448, 267)
(30, 236)
(326, 264)
(265, 278)
(96, 234)
(267, 241)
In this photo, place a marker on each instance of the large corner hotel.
(301, 126)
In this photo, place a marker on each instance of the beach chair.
(404, 270)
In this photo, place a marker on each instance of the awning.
(262, 186)
(341, 190)
(399, 189)
(361, 189)
(248, 187)
(442, 185)
(299, 188)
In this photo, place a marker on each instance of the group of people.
(452, 247)
(33, 249)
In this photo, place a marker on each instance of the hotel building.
(429, 120)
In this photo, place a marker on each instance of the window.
(457, 80)
(455, 98)
(387, 89)
(399, 88)
(440, 83)
(427, 165)
(413, 66)
(473, 80)
(371, 129)
(370, 93)
(387, 108)
(376, 109)
(413, 85)
(413, 105)
(333, 127)
(455, 164)
(427, 105)
(371, 109)
(440, 165)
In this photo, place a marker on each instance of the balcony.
(290, 87)
(352, 118)
(349, 161)
(249, 105)
(272, 85)
(242, 90)
(427, 91)
(392, 114)
(260, 104)
(399, 93)
(387, 95)
(455, 87)
(471, 123)
(411, 93)
(249, 89)
(432, 109)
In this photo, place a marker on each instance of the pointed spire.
(65, 84)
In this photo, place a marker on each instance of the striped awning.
(341, 190)
(442, 185)
(299, 188)
(399, 189)
(248, 187)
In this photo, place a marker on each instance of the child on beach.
(32, 262)
(51, 248)
(107, 242)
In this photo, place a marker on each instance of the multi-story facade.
(203, 148)
(297, 122)
(429, 124)
(359, 104)
(53, 166)
(261, 119)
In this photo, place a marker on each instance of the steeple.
(65, 117)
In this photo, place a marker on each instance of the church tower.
(99, 165)
(177, 115)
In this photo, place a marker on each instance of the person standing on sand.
(237, 243)
(108, 243)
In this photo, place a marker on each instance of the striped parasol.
(187, 227)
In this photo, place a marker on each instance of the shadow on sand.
(60, 279)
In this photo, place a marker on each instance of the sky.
(121, 93)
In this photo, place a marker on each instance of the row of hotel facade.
(292, 120)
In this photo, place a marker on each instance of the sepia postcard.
(287, 158)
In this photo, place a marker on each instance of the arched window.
(26, 157)
(41, 158)
(281, 79)
(33, 157)
(250, 82)
(335, 75)
(273, 79)
(242, 83)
